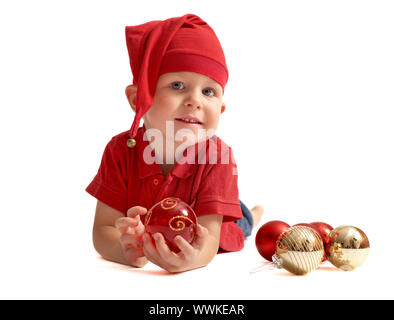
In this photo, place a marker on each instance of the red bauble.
(325, 230)
(267, 236)
(172, 217)
(310, 226)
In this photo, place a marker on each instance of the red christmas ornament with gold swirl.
(172, 217)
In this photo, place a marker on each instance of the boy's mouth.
(189, 120)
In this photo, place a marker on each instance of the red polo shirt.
(125, 180)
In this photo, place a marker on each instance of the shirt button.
(155, 181)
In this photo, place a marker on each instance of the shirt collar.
(182, 169)
(144, 169)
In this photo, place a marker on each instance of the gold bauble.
(348, 247)
(299, 250)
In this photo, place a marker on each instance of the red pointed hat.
(178, 44)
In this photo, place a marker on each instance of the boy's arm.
(107, 238)
(192, 256)
(210, 247)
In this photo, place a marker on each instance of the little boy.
(179, 75)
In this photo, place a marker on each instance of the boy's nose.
(190, 104)
(193, 101)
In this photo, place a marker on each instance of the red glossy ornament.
(172, 217)
(267, 236)
(325, 230)
(310, 226)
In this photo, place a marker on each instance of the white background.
(309, 116)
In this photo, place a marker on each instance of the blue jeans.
(246, 223)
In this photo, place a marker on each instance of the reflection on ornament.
(299, 250)
(348, 247)
(172, 217)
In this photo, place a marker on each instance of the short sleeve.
(110, 183)
(218, 192)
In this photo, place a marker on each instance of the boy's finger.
(184, 246)
(201, 231)
(136, 257)
(130, 241)
(126, 222)
(201, 234)
(124, 225)
(135, 211)
(139, 262)
(140, 229)
(162, 247)
(134, 251)
(149, 249)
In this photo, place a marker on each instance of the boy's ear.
(131, 94)
(223, 108)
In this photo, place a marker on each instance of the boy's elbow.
(96, 240)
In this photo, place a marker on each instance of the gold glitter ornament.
(299, 250)
(348, 247)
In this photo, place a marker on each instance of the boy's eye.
(177, 85)
(209, 92)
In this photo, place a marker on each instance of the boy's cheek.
(212, 123)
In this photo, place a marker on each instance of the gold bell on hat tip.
(131, 143)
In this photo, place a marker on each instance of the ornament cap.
(277, 261)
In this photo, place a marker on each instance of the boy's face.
(189, 101)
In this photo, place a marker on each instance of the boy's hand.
(132, 229)
(158, 252)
